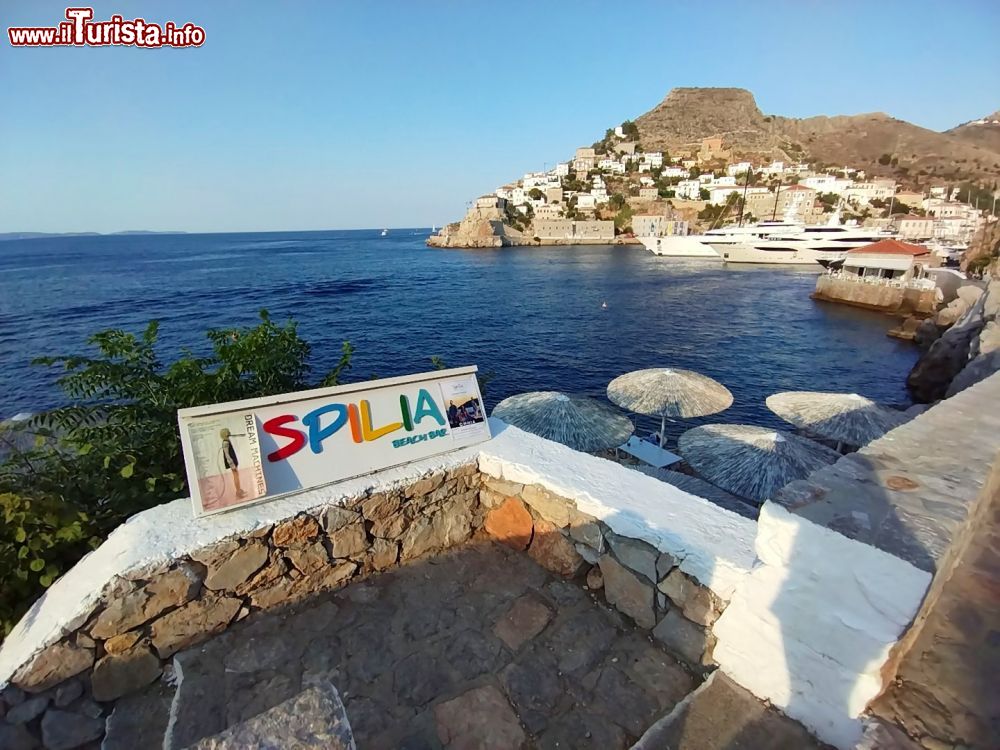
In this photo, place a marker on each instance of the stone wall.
(640, 581)
(125, 638)
(875, 296)
(943, 685)
(165, 581)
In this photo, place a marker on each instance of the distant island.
(705, 156)
(42, 235)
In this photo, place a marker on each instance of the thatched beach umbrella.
(582, 423)
(844, 417)
(703, 489)
(666, 392)
(752, 462)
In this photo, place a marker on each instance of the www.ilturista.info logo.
(80, 30)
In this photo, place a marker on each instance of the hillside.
(922, 156)
(985, 134)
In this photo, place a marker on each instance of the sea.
(565, 319)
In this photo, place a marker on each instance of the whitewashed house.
(740, 167)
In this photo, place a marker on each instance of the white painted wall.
(812, 624)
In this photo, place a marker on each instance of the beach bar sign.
(244, 452)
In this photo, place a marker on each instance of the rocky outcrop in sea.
(965, 353)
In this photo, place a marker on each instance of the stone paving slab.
(479, 647)
(721, 715)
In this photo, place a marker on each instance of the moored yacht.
(810, 246)
(707, 245)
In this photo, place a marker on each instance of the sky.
(372, 113)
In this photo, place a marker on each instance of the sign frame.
(188, 417)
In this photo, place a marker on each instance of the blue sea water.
(532, 316)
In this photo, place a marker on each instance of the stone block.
(28, 710)
(510, 524)
(53, 665)
(697, 602)
(526, 618)
(379, 506)
(664, 564)
(300, 529)
(308, 558)
(425, 486)
(553, 509)
(391, 527)
(118, 675)
(587, 553)
(16, 737)
(119, 644)
(193, 623)
(595, 579)
(349, 541)
(630, 594)
(586, 530)
(215, 553)
(554, 551)
(336, 517)
(385, 553)
(67, 693)
(62, 730)
(243, 563)
(131, 604)
(682, 637)
(314, 719)
(275, 570)
(635, 555)
(480, 719)
(502, 486)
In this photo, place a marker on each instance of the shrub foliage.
(71, 475)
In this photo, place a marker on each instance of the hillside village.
(616, 190)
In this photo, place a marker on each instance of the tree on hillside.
(617, 201)
(704, 194)
(535, 194)
(631, 130)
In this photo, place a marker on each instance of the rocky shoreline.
(962, 345)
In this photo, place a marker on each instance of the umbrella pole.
(663, 430)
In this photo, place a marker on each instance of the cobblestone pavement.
(475, 648)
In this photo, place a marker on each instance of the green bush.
(73, 474)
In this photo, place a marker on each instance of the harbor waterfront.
(550, 318)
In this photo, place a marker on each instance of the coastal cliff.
(482, 226)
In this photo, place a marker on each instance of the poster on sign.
(249, 451)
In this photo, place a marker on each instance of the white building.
(726, 181)
(826, 183)
(646, 181)
(586, 201)
(653, 158)
(740, 167)
(674, 172)
(720, 194)
(612, 165)
(688, 189)
(863, 193)
(562, 169)
(774, 169)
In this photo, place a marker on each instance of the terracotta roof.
(890, 247)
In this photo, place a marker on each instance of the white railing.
(920, 284)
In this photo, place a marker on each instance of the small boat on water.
(384, 233)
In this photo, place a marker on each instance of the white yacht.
(810, 245)
(707, 245)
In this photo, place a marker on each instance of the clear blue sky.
(367, 113)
